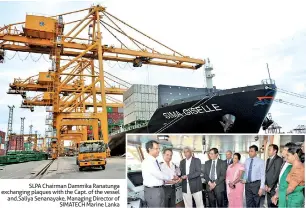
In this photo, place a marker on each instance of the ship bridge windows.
(201, 156)
(176, 157)
(133, 158)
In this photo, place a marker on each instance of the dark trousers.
(269, 196)
(170, 196)
(205, 196)
(216, 198)
(225, 199)
(251, 194)
(155, 197)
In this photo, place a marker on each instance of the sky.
(238, 37)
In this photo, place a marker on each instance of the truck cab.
(91, 154)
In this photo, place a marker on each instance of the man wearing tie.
(229, 161)
(229, 158)
(254, 178)
(273, 167)
(192, 183)
(153, 177)
(214, 174)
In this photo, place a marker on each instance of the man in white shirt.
(192, 183)
(153, 177)
(170, 169)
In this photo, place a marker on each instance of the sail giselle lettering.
(192, 111)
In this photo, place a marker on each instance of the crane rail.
(42, 172)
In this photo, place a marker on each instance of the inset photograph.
(215, 170)
(25, 158)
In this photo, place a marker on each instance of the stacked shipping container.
(114, 119)
(2, 137)
(2, 152)
(2, 143)
(28, 146)
(140, 102)
(16, 143)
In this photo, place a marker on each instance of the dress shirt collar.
(150, 157)
(271, 158)
(170, 163)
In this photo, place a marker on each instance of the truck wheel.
(103, 167)
(80, 168)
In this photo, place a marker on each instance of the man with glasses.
(153, 177)
(214, 174)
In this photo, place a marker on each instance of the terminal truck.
(91, 154)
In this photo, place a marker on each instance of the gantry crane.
(33, 83)
(50, 35)
(41, 83)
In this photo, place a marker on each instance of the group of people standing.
(281, 179)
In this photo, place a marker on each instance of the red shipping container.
(112, 117)
(20, 143)
(12, 142)
(16, 143)
(11, 147)
(2, 137)
(115, 116)
(115, 110)
(2, 152)
(121, 116)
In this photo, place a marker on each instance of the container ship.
(177, 109)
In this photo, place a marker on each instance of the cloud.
(300, 87)
(303, 118)
(279, 113)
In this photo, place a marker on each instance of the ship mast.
(208, 75)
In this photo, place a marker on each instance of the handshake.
(175, 180)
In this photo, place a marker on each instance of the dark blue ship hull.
(237, 110)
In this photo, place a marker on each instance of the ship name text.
(192, 111)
